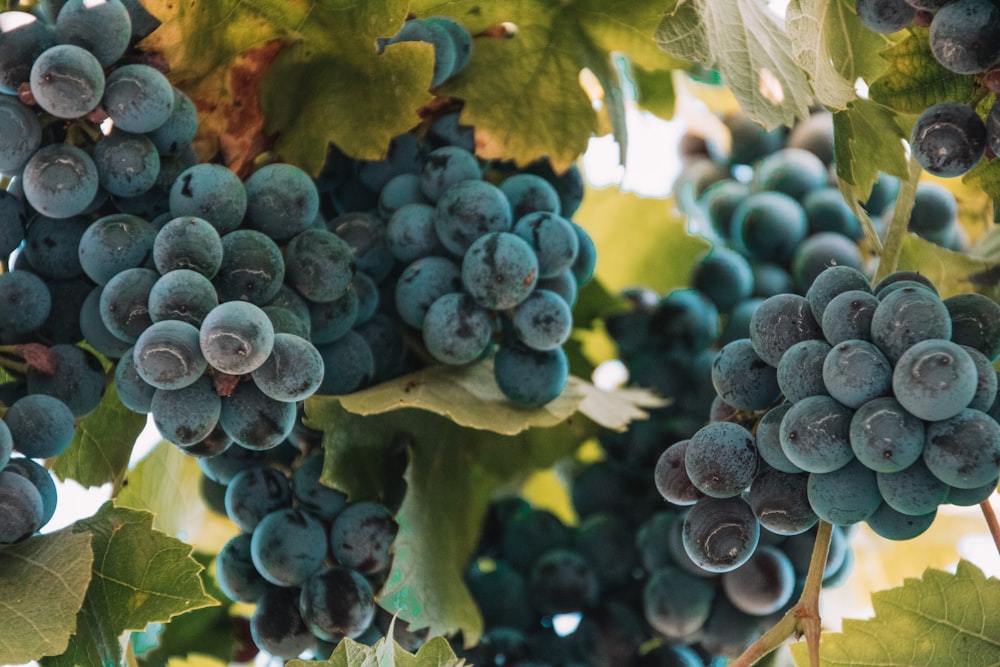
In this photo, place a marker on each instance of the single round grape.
(780, 501)
(210, 192)
(907, 316)
(179, 129)
(320, 265)
(553, 239)
(135, 393)
(768, 432)
(468, 210)
(78, 379)
(856, 372)
(935, 379)
(913, 491)
(95, 332)
(410, 233)
(821, 251)
(973, 496)
(762, 585)
(51, 246)
(742, 378)
(832, 282)
(114, 243)
(236, 337)
(892, 525)
(276, 625)
(529, 377)
(23, 37)
(127, 164)
(27, 303)
(67, 81)
(720, 534)
(885, 16)
(402, 190)
(167, 355)
(22, 505)
(252, 267)
(288, 546)
(499, 270)
(292, 372)
(848, 316)
(885, 436)
(826, 211)
(188, 243)
(962, 451)
(965, 36)
(457, 330)
(530, 193)
(182, 295)
(102, 28)
(138, 98)
(935, 212)
(124, 304)
(720, 200)
(255, 420)
(41, 478)
(721, 459)
(422, 283)
(281, 201)
(361, 537)
(675, 603)
(23, 135)
(188, 415)
(769, 226)
(337, 602)
(312, 495)
(800, 370)
(844, 496)
(671, 477)
(60, 180)
(975, 321)
(41, 426)
(791, 171)
(815, 434)
(254, 493)
(724, 276)
(365, 235)
(223, 466)
(445, 166)
(949, 138)
(351, 364)
(780, 322)
(326, 322)
(543, 321)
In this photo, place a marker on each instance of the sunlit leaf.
(436, 652)
(868, 140)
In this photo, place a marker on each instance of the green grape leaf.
(42, 584)
(246, 64)
(915, 80)
(939, 620)
(165, 482)
(535, 106)
(452, 473)
(140, 576)
(436, 652)
(986, 176)
(868, 140)
(830, 43)
(951, 272)
(758, 65)
(655, 91)
(102, 444)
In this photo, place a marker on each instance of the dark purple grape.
(949, 138)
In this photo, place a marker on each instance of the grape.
(210, 192)
(288, 545)
(973, 496)
(180, 127)
(542, 321)
(21, 507)
(501, 595)
(769, 226)
(95, 332)
(41, 426)
(361, 536)
(255, 420)
(292, 372)
(738, 323)
(856, 372)
(885, 437)
(410, 233)
(468, 210)
(529, 534)
(27, 303)
(742, 379)
(719, 201)
(780, 501)
(138, 98)
(780, 322)
(949, 138)
(724, 276)
(281, 201)
(223, 466)
(365, 235)
(721, 459)
(127, 164)
(986, 381)
(60, 180)
(530, 378)
(188, 415)
(235, 572)
(13, 218)
(586, 257)
(907, 316)
(213, 444)
(252, 267)
(461, 38)
(23, 38)
(445, 166)
(913, 491)
(320, 500)
(22, 135)
(351, 357)
(844, 496)
(791, 171)
(530, 193)
(770, 280)
(935, 213)
(103, 28)
(421, 284)
(800, 370)
(885, 16)
(167, 355)
(320, 265)
(962, 451)
(404, 158)
(276, 625)
(882, 288)
(67, 81)
(892, 525)
(750, 142)
(676, 603)
(561, 582)
(41, 479)
(826, 211)
(337, 602)
(254, 493)
(419, 30)
(236, 337)
(78, 380)
(815, 434)
(135, 393)
(499, 270)
(114, 243)
(820, 252)
(830, 284)
(124, 303)
(975, 322)
(768, 432)
(935, 379)
(606, 541)
(51, 246)
(671, 477)
(402, 190)
(965, 36)
(848, 316)
(182, 295)
(553, 239)
(762, 585)
(330, 320)
(720, 534)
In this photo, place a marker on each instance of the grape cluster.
(950, 138)
(889, 411)
(309, 559)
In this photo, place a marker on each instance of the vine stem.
(991, 521)
(803, 618)
(893, 246)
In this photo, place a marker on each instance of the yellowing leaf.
(42, 583)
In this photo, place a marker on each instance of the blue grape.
(800, 370)
(254, 493)
(501, 595)
(293, 302)
(975, 321)
(223, 466)
(949, 138)
(720, 534)
(138, 98)
(468, 210)
(281, 201)
(685, 319)
(420, 30)
(23, 37)
(60, 181)
(102, 28)
(826, 211)
(790, 171)
(292, 372)
(330, 320)
(78, 380)
(353, 360)
(254, 419)
(738, 323)
(815, 434)
(446, 130)
(252, 267)
(186, 416)
(124, 303)
(114, 243)
(769, 226)
(606, 541)
(935, 213)
(561, 581)
(724, 276)
(820, 252)
(586, 257)
(965, 36)
(780, 501)
(780, 322)
(721, 459)
(973, 496)
(529, 377)
(499, 270)
(51, 246)
(742, 378)
(962, 451)
(41, 426)
(182, 295)
(365, 235)
(530, 193)
(287, 546)
(553, 239)
(848, 316)
(986, 380)
(410, 233)
(22, 135)
(67, 81)
(402, 190)
(543, 321)
(320, 265)
(13, 218)
(95, 332)
(384, 339)
(844, 496)
(135, 393)
(23, 508)
(763, 585)
(459, 36)
(935, 379)
(563, 284)
(41, 478)
(903, 277)
(421, 284)
(337, 602)
(457, 330)
(236, 337)
(27, 304)
(235, 572)
(907, 316)
(913, 491)
(127, 164)
(856, 372)
(768, 432)
(770, 279)
(831, 283)
(892, 525)
(180, 127)
(319, 499)
(675, 603)
(210, 192)
(167, 355)
(719, 201)
(530, 533)
(885, 437)
(885, 16)
(446, 166)
(276, 625)
(361, 537)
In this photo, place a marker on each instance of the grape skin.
(949, 138)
